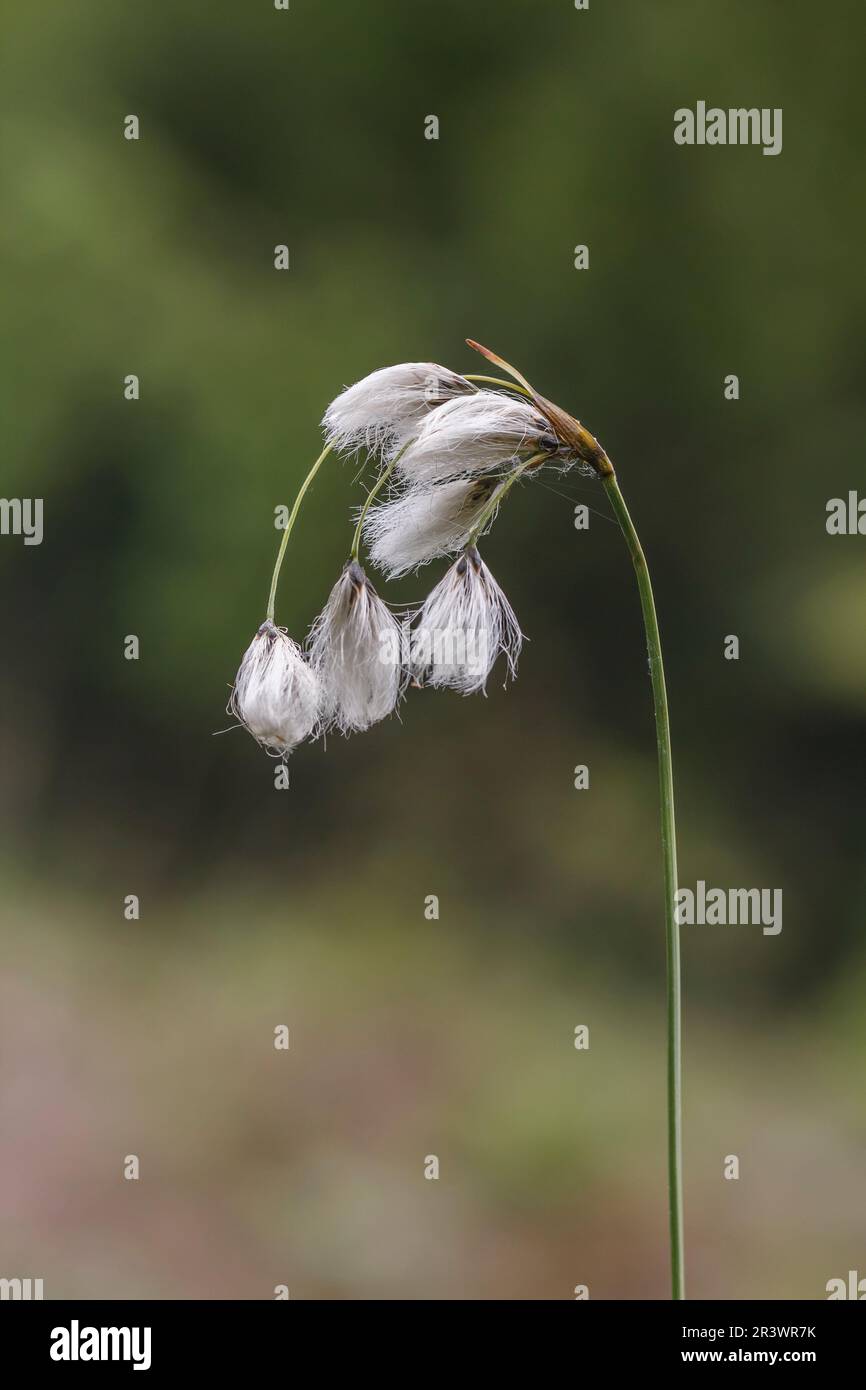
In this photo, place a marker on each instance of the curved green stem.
(371, 496)
(501, 493)
(272, 597)
(499, 381)
(669, 851)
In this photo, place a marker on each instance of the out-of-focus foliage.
(155, 257)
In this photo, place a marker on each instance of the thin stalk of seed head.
(500, 381)
(272, 597)
(589, 449)
(371, 496)
(500, 494)
(669, 850)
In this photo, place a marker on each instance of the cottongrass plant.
(448, 449)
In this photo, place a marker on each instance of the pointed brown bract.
(500, 362)
(568, 431)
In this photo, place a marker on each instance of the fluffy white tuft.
(276, 693)
(474, 434)
(355, 650)
(461, 629)
(424, 522)
(380, 411)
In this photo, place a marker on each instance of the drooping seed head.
(276, 693)
(355, 650)
(423, 523)
(379, 412)
(475, 434)
(461, 629)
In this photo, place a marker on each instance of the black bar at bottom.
(219, 1338)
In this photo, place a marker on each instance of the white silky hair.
(276, 692)
(355, 649)
(379, 412)
(474, 434)
(462, 627)
(422, 523)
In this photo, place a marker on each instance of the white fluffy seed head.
(379, 412)
(276, 693)
(355, 650)
(475, 434)
(461, 629)
(425, 522)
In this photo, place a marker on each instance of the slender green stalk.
(500, 381)
(501, 493)
(669, 849)
(371, 496)
(272, 597)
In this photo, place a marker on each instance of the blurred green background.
(306, 906)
